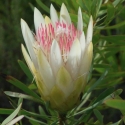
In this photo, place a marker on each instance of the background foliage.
(109, 48)
(11, 11)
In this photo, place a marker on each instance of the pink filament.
(63, 33)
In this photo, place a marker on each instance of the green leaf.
(32, 86)
(43, 6)
(20, 100)
(102, 65)
(116, 2)
(21, 86)
(86, 5)
(110, 13)
(73, 17)
(24, 96)
(15, 120)
(104, 94)
(9, 118)
(98, 101)
(118, 74)
(98, 115)
(96, 4)
(74, 5)
(110, 83)
(122, 60)
(41, 110)
(32, 7)
(35, 120)
(6, 111)
(116, 103)
(112, 27)
(123, 119)
(117, 123)
(114, 38)
(95, 85)
(32, 114)
(88, 108)
(25, 69)
(25, 112)
(58, 2)
(98, 81)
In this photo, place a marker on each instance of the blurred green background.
(11, 11)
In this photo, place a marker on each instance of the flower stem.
(62, 119)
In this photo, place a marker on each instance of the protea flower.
(59, 56)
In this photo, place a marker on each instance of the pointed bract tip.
(35, 9)
(51, 6)
(91, 23)
(23, 25)
(22, 21)
(79, 12)
(91, 19)
(63, 6)
(79, 9)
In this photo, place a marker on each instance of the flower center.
(63, 33)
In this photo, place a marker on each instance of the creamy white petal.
(45, 70)
(64, 14)
(53, 14)
(86, 60)
(80, 20)
(55, 57)
(28, 60)
(64, 81)
(74, 59)
(39, 81)
(29, 40)
(38, 19)
(89, 31)
(82, 42)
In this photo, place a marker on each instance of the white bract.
(59, 57)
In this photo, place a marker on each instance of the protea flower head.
(59, 56)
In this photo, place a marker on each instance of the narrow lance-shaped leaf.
(98, 115)
(14, 121)
(42, 5)
(25, 69)
(20, 95)
(19, 85)
(116, 103)
(9, 118)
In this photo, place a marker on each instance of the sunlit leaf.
(15, 120)
(116, 103)
(9, 118)
(20, 95)
(21, 86)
